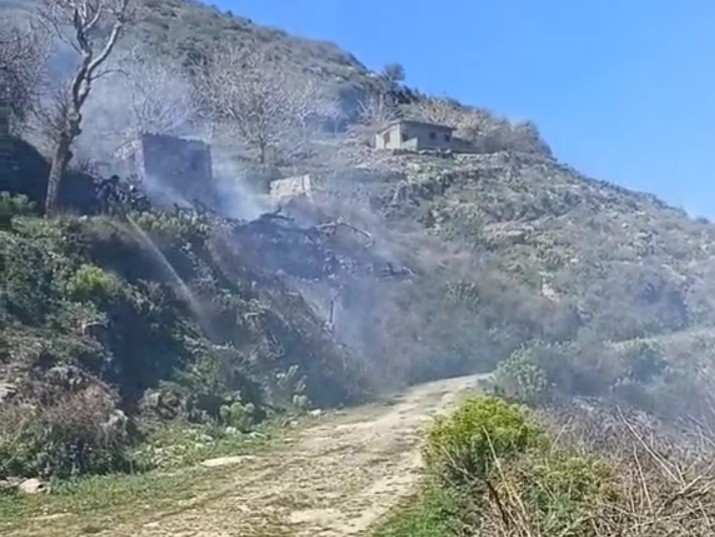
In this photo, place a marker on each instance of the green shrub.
(561, 489)
(465, 445)
(11, 206)
(521, 377)
(174, 230)
(238, 415)
(90, 282)
(28, 275)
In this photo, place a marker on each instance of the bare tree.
(375, 112)
(470, 122)
(89, 21)
(378, 110)
(311, 105)
(23, 53)
(141, 94)
(264, 102)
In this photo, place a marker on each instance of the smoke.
(376, 300)
(239, 186)
(137, 93)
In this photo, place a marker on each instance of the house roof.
(416, 123)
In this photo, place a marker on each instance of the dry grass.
(658, 484)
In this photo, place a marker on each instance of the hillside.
(626, 264)
(517, 249)
(397, 268)
(183, 30)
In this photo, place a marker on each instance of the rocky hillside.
(396, 267)
(624, 264)
(512, 250)
(628, 265)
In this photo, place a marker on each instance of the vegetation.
(118, 330)
(171, 454)
(463, 445)
(100, 342)
(597, 476)
(431, 514)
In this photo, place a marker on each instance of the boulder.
(33, 486)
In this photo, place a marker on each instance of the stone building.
(175, 170)
(415, 135)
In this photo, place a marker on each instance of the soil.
(337, 478)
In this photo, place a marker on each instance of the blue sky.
(623, 90)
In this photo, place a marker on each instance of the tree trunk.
(262, 152)
(60, 159)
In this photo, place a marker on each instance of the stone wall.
(175, 170)
(357, 187)
(290, 187)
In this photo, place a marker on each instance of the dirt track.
(335, 479)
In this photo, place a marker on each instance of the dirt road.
(335, 479)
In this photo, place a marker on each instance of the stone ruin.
(363, 187)
(175, 170)
(282, 190)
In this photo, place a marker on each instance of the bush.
(80, 433)
(91, 282)
(174, 230)
(558, 490)
(238, 415)
(605, 473)
(11, 206)
(466, 444)
(521, 377)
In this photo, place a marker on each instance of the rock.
(225, 461)
(232, 431)
(32, 486)
(47, 518)
(315, 413)
(6, 390)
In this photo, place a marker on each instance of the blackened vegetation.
(26, 172)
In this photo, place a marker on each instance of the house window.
(386, 138)
(404, 137)
(432, 135)
(447, 137)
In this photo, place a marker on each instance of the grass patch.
(428, 514)
(178, 445)
(93, 504)
(100, 499)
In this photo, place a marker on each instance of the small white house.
(415, 135)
